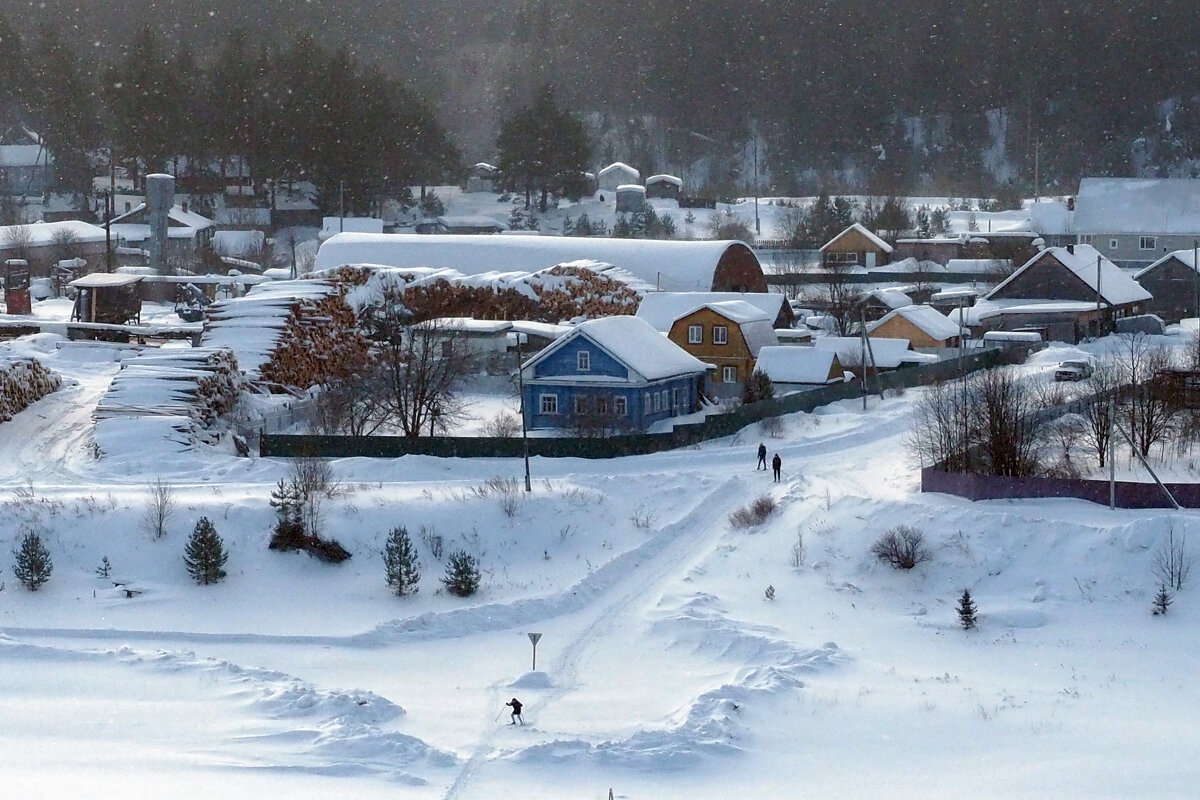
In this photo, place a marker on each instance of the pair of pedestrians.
(776, 462)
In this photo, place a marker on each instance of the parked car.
(1073, 371)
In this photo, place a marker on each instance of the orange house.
(727, 336)
(923, 326)
(855, 247)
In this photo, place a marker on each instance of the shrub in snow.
(1162, 601)
(105, 568)
(1172, 563)
(32, 564)
(757, 387)
(290, 531)
(506, 489)
(796, 559)
(966, 610)
(462, 574)
(901, 547)
(401, 563)
(754, 514)
(205, 554)
(769, 594)
(504, 425)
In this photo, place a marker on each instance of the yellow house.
(855, 247)
(727, 336)
(922, 326)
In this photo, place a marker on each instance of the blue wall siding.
(637, 399)
(564, 362)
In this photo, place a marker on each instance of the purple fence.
(989, 487)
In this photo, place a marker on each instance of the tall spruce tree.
(462, 576)
(967, 612)
(542, 148)
(31, 562)
(205, 554)
(401, 563)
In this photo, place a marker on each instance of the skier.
(776, 464)
(516, 711)
(762, 457)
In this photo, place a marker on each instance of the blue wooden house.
(611, 374)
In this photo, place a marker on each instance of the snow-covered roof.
(546, 330)
(634, 343)
(617, 166)
(469, 325)
(176, 217)
(1185, 257)
(1138, 205)
(955, 293)
(871, 237)
(42, 234)
(790, 364)
(332, 225)
(239, 242)
(664, 179)
(1115, 287)
(24, 155)
(472, 221)
(486, 167)
(929, 320)
(661, 309)
(1051, 218)
(888, 353)
(104, 279)
(908, 265)
(892, 298)
(673, 264)
(633, 188)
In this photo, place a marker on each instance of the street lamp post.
(757, 226)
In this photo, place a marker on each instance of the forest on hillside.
(854, 95)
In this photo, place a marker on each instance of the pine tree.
(966, 610)
(105, 568)
(462, 574)
(1162, 601)
(288, 502)
(757, 387)
(32, 565)
(401, 564)
(205, 554)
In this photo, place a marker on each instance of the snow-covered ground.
(663, 671)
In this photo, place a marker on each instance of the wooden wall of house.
(900, 328)
(1048, 279)
(1174, 286)
(735, 352)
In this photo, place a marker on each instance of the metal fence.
(712, 427)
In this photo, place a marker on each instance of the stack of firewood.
(23, 382)
(320, 342)
(566, 292)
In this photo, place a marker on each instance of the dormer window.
(583, 361)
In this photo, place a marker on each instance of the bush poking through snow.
(1162, 601)
(504, 425)
(160, 505)
(1172, 563)
(507, 489)
(643, 517)
(401, 563)
(105, 568)
(462, 574)
(796, 558)
(901, 547)
(769, 594)
(754, 514)
(31, 562)
(290, 533)
(967, 612)
(205, 554)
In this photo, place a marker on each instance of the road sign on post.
(533, 638)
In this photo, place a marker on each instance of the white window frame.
(1148, 243)
(583, 361)
(843, 258)
(728, 374)
(548, 403)
(675, 399)
(620, 406)
(720, 334)
(1085, 238)
(695, 334)
(1112, 244)
(581, 404)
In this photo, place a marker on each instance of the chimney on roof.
(1070, 204)
(184, 206)
(1071, 249)
(160, 195)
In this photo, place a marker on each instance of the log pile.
(200, 384)
(320, 342)
(22, 382)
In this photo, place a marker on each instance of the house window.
(581, 404)
(601, 405)
(1112, 244)
(695, 334)
(675, 399)
(729, 374)
(1085, 238)
(619, 405)
(663, 398)
(549, 403)
(842, 258)
(1148, 243)
(583, 360)
(720, 334)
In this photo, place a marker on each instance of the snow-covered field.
(663, 671)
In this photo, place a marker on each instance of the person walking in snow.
(776, 464)
(762, 457)
(516, 711)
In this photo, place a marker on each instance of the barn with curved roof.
(668, 265)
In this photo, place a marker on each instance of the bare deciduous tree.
(160, 505)
(1172, 563)
(18, 242)
(1098, 416)
(1149, 415)
(312, 478)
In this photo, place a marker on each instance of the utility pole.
(341, 206)
(524, 427)
(757, 226)
(1099, 309)
(1196, 274)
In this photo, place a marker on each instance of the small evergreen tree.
(757, 387)
(462, 574)
(1162, 601)
(401, 564)
(32, 565)
(205, 554)
(288, 502)
(967, 611)
(105, 568)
